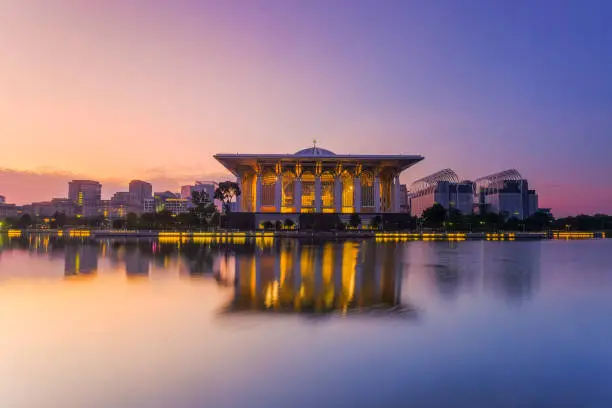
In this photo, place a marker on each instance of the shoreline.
(381, 236)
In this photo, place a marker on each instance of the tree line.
(204, 216)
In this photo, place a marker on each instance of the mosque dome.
(314, 151)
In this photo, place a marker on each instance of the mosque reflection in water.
(268, 275)
(297, 277)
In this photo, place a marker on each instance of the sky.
(132, 89)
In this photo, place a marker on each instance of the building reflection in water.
(137, 260)
(80, 259)
(512, 271)
(322, 278)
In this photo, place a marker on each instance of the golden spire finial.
(314, 143)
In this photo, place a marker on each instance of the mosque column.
(298, 194)
(318, 170)
(278, 187)
(258, 192)
(377, 193)
(338, 194)
(357, 194)
(278, 192)
(318, 193)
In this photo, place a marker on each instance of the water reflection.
(332, 277)
(319, 278)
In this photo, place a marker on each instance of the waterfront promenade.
(350, 234)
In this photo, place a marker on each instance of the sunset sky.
(115, 90)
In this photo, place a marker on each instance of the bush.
(375, 222)
(320, 222)
(355, 220)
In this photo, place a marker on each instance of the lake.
(287, 323)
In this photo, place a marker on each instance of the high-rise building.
(506, 193)
(140, 190)
(2, 199)
(444, 188)
(87, 196)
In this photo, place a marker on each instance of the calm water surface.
(295, 324)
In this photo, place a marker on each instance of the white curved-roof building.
(318, 180)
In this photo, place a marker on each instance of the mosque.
(316, 180)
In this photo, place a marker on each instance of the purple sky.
(115, 90)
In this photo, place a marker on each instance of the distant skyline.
(150, 90)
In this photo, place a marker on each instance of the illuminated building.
(318, 180)
(87, 195)
(176, 205)
(444, 188)
(166, 201)
(506, 193)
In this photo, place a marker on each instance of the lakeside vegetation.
(204, 216)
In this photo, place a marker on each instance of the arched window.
(268, 182)
(248, 192)
(327, 191)
(308, 192)
(347, 192)
(367, 190)
(288, 189)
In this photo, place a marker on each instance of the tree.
(132, 220)
(434, 216)
(375, 222)
(267, 225)
(513, 224)
(355, 220)
(25, 221)
(289, 223)
(118, 223)
(204, 208)
(455, 220)
(226, 192)
(494, 221)
(539, 221)
(60, 220)
(278, 225)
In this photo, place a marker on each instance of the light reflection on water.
(141, 323)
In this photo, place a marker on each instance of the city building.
(7, 210)
(87, 195)
(208, 187)
(404, 200)
(139, 191)
(444, 188)
(166, 201)
(318, 180)
(49, 208)
(506, 193)
(176, 205)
